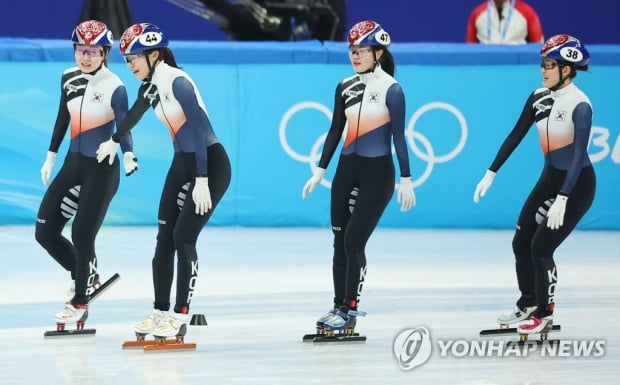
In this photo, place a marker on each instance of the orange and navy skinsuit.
(564, 120)
(91, 104)
(371, 107)
(197, 152)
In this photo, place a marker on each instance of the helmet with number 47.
(141, 37)
(369, 33)
(565, 48)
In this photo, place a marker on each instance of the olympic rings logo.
(426, 154)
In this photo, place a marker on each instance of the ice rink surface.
(262, 289)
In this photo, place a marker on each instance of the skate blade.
(70, 333)
(169, 345)
(340, 339)
(143, 343)
(104, 286)
(312, 337)
(505, 331)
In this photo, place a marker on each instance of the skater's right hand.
(46, 170)
(202, 195)
(107, 149)
(484, 185)
(311, 184)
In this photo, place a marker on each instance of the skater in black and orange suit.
(565, 190)
(371, 105)
(196, 181)
(92, 101)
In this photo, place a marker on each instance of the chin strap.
(561, 81)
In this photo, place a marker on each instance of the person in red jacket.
(504, 22)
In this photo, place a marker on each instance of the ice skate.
(320, 326)
(339, 327)
(72, 313)
(148, 325)
(175, 325)
(535, 325)
(320, 323)
(169, 334)
(343, 322)
(517, 315)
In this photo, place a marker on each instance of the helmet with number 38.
(369, 33)
(141, 37)
(565, 48)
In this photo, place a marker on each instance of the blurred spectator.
(281, 20)
(504, 22)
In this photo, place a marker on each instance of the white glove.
(555, 215)
(46, 170)
(484, 185)
(130, 162)
(311, 184)
(406, 196)
(201, 195)
(107, 149)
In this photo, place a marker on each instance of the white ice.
(262, 289)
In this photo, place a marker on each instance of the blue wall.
(272, 117)
(594, 21)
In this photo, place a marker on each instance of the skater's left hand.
(555, 215)
(107, 149)
(406, 196)
(201, 195)
(130, 162)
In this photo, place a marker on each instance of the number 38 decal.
(571, 54)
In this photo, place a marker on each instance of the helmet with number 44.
(141, 37)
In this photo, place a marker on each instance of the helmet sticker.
(361, 29)
(555, 41)
(571, 54)
(150, 39)
(383, 38)
(129, 35)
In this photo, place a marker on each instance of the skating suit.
(371, 107)
(197, 152)
(563, 119)
(91, 104)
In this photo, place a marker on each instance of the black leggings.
(361, 190)
(534, 243)
(179, 225)
(83, 188)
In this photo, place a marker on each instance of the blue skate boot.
(320, 323)
(343, 321)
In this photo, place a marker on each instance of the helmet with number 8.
(141, 37)
(92, 32)
(369, 33)
(565, 48)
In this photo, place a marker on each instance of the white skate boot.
(173, 326)
(148, 325)
(72, 314)
(517, 315)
